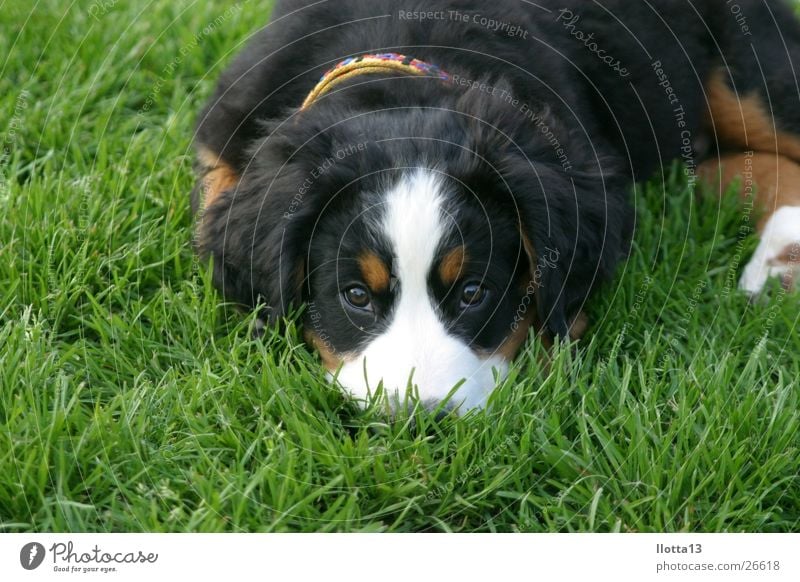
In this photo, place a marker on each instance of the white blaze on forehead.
(415, 225)
(417, 339)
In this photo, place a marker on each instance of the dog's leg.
(214, 177)
(767, 160)
(754, 117)
(773, 183)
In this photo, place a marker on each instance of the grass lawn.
(133, 399)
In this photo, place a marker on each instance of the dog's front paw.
(778, 253)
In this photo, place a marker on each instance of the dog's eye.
(473, 295)
(358, 297)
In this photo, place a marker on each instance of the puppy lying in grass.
(433, 186)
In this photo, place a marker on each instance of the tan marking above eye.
(744, 121)
(375, 272)
(452, 265)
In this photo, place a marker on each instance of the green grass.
(132, 398)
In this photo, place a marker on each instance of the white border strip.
(401, 557)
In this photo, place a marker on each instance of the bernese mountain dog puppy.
(431, 180)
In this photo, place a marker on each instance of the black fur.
(565, 181)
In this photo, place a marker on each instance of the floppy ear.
(572, 203)
(254, 232)
(579, 226)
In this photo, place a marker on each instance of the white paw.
(778, 253)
